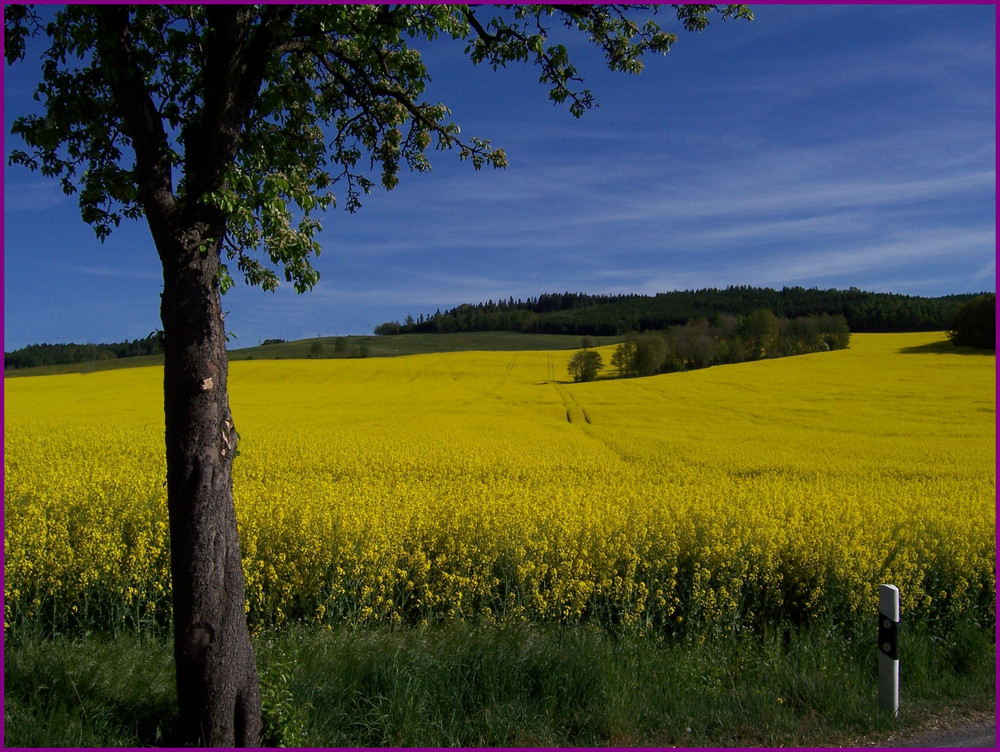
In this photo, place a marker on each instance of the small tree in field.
(585, 365)
(227, 127)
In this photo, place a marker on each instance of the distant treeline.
(52, 355)
(617, 315)
(599, 315)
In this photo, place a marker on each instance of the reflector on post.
(888, 647)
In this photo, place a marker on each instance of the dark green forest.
(51, 355)
(617, 315)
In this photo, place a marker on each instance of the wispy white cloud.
(906, 250)
(777, 195)
(24, 193)
(112, 272)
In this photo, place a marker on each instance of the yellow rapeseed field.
(483, 486)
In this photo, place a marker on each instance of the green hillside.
(413, 344)
(350, 346)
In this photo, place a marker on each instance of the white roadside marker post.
(888, 648)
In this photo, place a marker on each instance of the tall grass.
(93, 691)
(517, 685)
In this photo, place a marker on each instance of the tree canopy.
(260, 112)
(585, 364)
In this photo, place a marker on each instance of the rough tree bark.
(217, 682)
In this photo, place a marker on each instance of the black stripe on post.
(888, 636)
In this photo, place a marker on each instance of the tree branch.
(237, 53)
(143, 125)
(490, 39)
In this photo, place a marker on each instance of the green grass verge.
(461, 685)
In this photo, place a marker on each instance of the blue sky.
(821, 146)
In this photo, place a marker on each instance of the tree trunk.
(217, 684)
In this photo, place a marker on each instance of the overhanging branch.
(142, 123)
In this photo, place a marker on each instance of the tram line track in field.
(570, 403)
